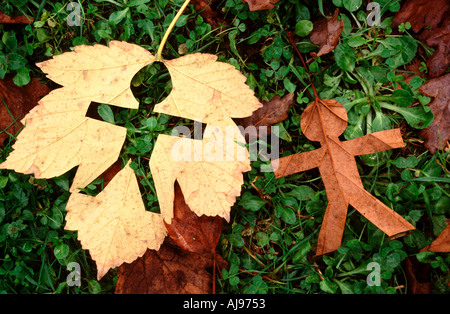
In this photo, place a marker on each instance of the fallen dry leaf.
(415, 273)
(191, 232)
(206, 90)
(114, 225)
(429, 20)
(58, 136)
(325, 33)
(324, 121)
(422, 13)
(18, 101)
(217, 182)
(210, 92)
(438, 133)
(171, 270)
(258, 5)
(14, 19)
(439, 61)
(212, 16)
(441, 243)
(272, 111)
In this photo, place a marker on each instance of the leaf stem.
(167, 33)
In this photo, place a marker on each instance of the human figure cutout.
(324, 121)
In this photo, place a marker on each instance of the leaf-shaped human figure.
(324, 121)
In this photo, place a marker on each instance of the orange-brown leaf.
(324, 121)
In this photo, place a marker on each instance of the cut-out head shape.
(323, 118)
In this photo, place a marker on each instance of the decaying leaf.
(114, 225)
(191, 232)
(441, 243)
(272, 111)
(325, 33)
(324, 121)
(15, 19)
(212, 17)
(170, 270)
(438, 133)
(439, 61)
(258, 5)
(186, 261)
(429, 20)
(16, 102)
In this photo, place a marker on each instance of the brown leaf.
(257, 5)
(15, 19)
(272, 111)
(415, 272)
(191, 232)
(171, 270)
(438, 133)
(18, 100)
(212, 16)
(439, 61)
(441, 243)
(325, 33)
(324, 121)
(422, 13)
(429, 20)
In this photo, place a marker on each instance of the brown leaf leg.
(386, 219)
(332, 229)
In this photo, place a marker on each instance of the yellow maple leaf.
(58, 136)
(196, 79)
(114, 225)
(210, 183)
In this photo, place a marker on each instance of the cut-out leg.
(332, 229)
(386, 219)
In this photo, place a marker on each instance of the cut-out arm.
(297, 162)
(374, 142)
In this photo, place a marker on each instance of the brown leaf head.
(323, 118)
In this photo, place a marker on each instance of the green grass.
(271, 238)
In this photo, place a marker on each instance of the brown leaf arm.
(297, 162)
(374, 142)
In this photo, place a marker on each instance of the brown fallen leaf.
(415, 273)
(325, 121)
(422, 13)
(191, 232)
(438, 133)
(257, 5)
(325, 33)
(170, 270)
(272, 111)
(441, 243)
(429, 20)
(212, 17)
(439, 61)
(114, 225)
(15, 19)
(18, 101)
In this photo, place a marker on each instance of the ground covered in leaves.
(393, 75)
